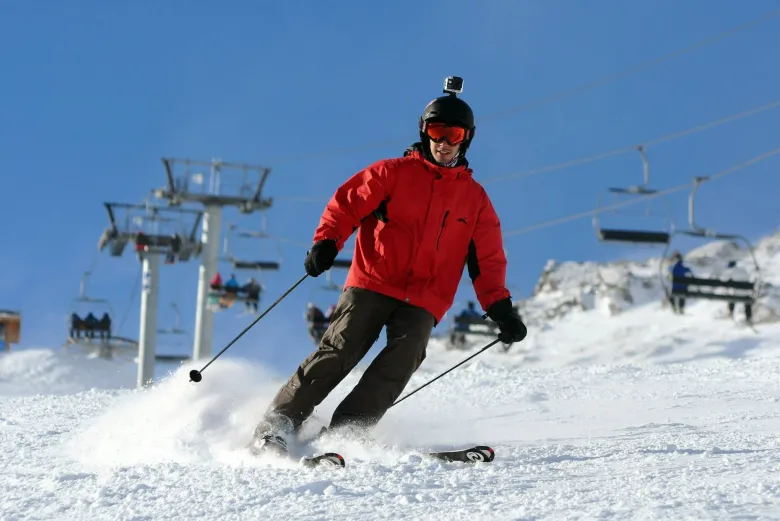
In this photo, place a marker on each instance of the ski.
(478, 453)
(331, 459)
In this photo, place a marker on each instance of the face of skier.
(445, 140)
(443, 152)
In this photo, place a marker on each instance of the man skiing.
(420, 219)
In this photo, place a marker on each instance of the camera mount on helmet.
(453, 85)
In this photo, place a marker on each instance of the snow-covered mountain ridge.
(615, 287)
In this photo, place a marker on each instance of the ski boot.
(271, 436)
(268, 443)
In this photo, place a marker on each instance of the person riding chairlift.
(468, 315)
(216, 282)
(738, 274)
(252, 290)
(329, 313)
(317, 321)
(232, 286)
(678, 269)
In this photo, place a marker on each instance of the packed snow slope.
(613, 408)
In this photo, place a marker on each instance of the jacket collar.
(455, 172)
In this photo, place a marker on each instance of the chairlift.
(174, 332)
(250, 264)
(219, 299)
(94, 336)
(338, 264)
(620, 235)
(83, 305)
(750, 291)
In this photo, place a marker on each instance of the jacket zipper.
(443, 222)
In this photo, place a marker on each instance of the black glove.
(320, 258)
(512, 328)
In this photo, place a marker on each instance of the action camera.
(453, 85)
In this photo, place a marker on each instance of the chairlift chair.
(102, 343)
(174, 332)
(257, 266)
(619, 235)
(243, 264)
(82, 305)
(339, 264)
(741, 291)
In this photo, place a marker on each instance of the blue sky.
(95, 93)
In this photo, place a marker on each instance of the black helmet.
(448, 109)
(453, 111)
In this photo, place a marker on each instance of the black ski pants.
(355, 325)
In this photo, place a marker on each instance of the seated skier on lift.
(230, 292)
(104, 326)
(90, 324)
(232, 286)
(76, 325)
(216, 282)
(318, 324)
(469, 315)
(252, 290)
(738, 274)
(678, 269)
(330, 311)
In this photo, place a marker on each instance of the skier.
(317, 321)
(418, 218)
(216, 282)
(463, 320)
(738, 274)
(104, 326)
(76, 325)
(229, 292)
(231, 286)
(678, 269)
(329, 312)
(90, 323)
(252, 290)
(469, 314)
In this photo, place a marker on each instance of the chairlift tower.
(143, 226)
(221, 184)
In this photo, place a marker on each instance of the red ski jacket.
(418, 225)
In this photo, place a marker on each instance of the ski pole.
(195, 375)
(491, 344)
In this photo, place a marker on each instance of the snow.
(613, 408)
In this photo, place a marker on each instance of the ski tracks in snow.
(599, 442)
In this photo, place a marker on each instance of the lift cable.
(602, 155)
(658, 60)
(632, 148)
(686, 186)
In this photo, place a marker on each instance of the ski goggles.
(438, 132)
